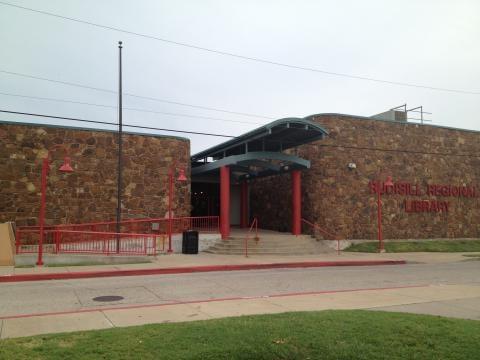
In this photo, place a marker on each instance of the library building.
(337, 176)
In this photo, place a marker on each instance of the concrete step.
(270, 251)
(227, 248)
(268, 241)
(252, 252)
(272, 237)
(298, 247)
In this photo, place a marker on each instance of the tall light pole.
(388, 182)
(66, 168)
(120, 130)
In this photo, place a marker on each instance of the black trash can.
(190, 242)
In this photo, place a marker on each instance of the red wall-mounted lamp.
(66, 167)
(181, 176)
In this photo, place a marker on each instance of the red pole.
(41, 217)
(379, 218)
(170, 198)
(296, 202)
(225, 202)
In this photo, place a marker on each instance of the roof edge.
(20, 123)
(359, 117)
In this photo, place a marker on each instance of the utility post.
(120, 134)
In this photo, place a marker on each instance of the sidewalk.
(449, 300)
(208, 260)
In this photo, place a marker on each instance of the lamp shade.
(182, 176)
(66, 167)
(389, 181)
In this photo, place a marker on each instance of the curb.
(192, 269)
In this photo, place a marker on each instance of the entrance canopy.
(259, 152)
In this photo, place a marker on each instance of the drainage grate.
(107, 298)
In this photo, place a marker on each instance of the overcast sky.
(433, 43)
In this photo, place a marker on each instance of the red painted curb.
(192, 269)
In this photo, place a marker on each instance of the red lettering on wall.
(411, 206)
(373, 187)
(431, 190)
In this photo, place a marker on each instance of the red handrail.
(254, 224)
(27, 236)
(205, 223)
(74, 241)
(317, 227)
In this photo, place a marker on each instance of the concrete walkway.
(204, 259)
(450, 300)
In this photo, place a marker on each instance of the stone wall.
(89, 193)
(270, 202)
(340, 199)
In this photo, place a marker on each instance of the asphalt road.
(72, 295)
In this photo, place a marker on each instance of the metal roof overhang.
(260, 152)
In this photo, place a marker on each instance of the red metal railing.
(327, 235)
(69, 241)
(253, 226)
(179, 224)
(27, 237)
(199, 223)
(91, 242)
(203, 224)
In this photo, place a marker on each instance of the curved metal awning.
(260, 152)
(255, 164)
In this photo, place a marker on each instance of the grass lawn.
(419, 246)
(303, 335)
(95, 263)
(84, 263)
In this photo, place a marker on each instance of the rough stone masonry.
(430, 165)
(89, 194)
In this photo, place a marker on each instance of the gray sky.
(433, 43)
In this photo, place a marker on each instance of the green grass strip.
(302, 335)
(419, 246)
(97, 263)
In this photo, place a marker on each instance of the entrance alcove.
(222, 173)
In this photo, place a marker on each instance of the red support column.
(296, 202)
(244, 204)
(225, 202)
